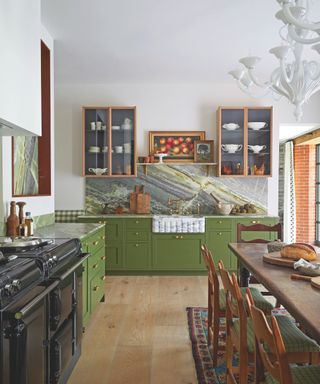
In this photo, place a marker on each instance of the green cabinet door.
(114, 230)
(177, 252)
(247, 236)
(217, 241)
(137, 256)
(114, 252)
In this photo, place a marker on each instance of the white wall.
(20, 76)
(36, 205)
(159, 107)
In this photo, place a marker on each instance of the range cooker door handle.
(55, 309)
(27, 308)
(84, 256)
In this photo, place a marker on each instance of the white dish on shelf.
(94, 149)
(257, 125)
(104, 149)
(98, 171)
(116, 127)
(231, 126)
(257, 148)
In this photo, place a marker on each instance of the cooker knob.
(55, 259)
(16, 284)
(8, 288)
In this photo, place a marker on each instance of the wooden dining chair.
(240, 334)
(244, 276)
(216, 305)
(271, 356)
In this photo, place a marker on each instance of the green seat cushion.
(258, 299)
(294, 339)
(306, 374)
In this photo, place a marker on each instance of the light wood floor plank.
(140, 334)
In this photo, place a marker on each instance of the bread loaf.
(298, 251)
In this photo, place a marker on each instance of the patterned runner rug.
(206, 373)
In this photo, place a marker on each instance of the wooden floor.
(140, 334)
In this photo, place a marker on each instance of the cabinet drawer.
(97, 289)
(137, 235)
(96, 260)
(137, 256)
(140, 223)
(96, 241)
(218, 223)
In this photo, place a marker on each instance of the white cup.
(118, 149)
(105, 149)
(98, 171)
(256, 148)
(127, 147)
(99, 125)
(231, 148)
(93, 125)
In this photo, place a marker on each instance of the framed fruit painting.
(178, 145)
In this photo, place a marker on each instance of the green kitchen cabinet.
(217, 242)
(115, 253)
(137, 256)
(85, 295)
(177, 252)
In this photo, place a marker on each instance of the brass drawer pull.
(95, 266)
(219, 233)
(177, 237)
(137, 221)
(95, 243)
(103, 258)
(103, 278)
(137, 245)
(220, 221)
(102, 237)
(137, 233)
(181, 237)
(96, 288)
(255, 222)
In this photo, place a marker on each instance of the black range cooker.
(40, 310)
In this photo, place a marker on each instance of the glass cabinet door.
(232, 141)
(123, 141)
(96, 142)
(259, 141)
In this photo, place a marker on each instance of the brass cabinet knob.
(177, 237)
(181, 237)
(103, 258)
(220, 221)
(137, 233)
(137, 245)
(95, 243)
(255, 222)
(137, 221)
(96, 288)
(103, 277)
(219, 233)
(102, 237)
(104, 222)
(95, 266)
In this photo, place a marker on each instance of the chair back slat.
(277, 228)
(269, 344)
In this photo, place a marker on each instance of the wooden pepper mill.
(21, 204)
(12, 221)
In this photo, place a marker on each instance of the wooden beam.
(310, 138)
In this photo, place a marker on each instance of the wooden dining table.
(297, 296)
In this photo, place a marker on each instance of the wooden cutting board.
(276, 259)
(315, 281)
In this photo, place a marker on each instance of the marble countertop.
(150, 216)
(67, 230)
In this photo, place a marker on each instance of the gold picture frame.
(179, 145)
(204, 151)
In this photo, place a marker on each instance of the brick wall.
(305, 173)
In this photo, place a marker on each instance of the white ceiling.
(155, 41)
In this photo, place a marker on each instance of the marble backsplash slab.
(188, 183)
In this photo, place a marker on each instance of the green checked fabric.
(294, 339)
(68, 216)
(258, 299)
(307, 374)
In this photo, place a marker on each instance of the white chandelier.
(295, 79)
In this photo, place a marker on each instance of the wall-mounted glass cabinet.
(244, 141)
(109, 148)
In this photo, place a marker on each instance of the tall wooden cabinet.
(244, 141)
(109, 145)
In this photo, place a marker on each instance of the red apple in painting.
(180, 140)
(162, 141)
(188, 140)
(176, 150)
(176, 142)
(168, 147)
(170, 140)
(163, 149)
(185, 150)
(183, 145)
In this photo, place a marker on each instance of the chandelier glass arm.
(298, 23)
(256, 81)
(293, 34)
